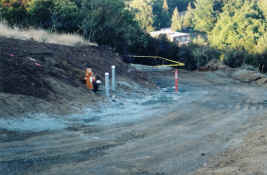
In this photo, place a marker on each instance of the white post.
(113, 78)
(107, 83)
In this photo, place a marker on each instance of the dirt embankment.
(245, 74)
(39, 77)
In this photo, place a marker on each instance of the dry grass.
(40, 35)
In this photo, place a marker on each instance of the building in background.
(177, 37)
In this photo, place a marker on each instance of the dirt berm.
(39, 77)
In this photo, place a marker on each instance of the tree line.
(158, 14)
(234, 30)
(106, 22)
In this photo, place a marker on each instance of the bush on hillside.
(233, 58)
(187, 57)
(196, 56)
(58, 15)
(263, 61)
(41, 12)
(106, 22)
(14, 12)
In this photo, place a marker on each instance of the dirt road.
(149, 133)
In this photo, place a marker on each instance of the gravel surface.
(143, 132)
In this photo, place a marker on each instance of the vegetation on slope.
(234, 30)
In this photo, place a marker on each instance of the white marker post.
(113, 78)
(107, 83)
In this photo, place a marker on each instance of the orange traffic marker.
(89, 78)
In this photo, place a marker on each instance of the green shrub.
(14, 12)
(196, 56)
(66, 16)
(186, 56)
(59, 15)
(234, 58)
(263, 60)
(41, 13)
(106, 22)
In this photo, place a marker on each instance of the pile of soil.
(41, 73)
(250, 76)
(245, 74)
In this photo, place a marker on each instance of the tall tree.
(165, 6)
(204, 15)
(58, 15)
(180, 4)
(143, 13)
(108, 22)
(239, 29)
(14, 11)
(263, 6)
(188, 18)
(164, 16)
(176, 21)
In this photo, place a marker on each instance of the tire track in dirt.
(176, 143)
(39, 153)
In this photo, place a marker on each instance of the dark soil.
(51, 72)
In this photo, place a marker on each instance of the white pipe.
(107, 83)
(113, 78)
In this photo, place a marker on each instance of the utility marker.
(113, 67)
(87, 78)
(176, 77)
(107, 83)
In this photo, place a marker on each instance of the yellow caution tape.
(177, 63)
(167, 65)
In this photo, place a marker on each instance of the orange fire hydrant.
(89, 78)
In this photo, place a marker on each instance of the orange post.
(176, 79)
(88, 78)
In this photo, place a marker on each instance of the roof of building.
(168, 31)
(177, 34)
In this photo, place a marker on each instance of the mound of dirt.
(247, 75)
(51, 76)
(250, 76)
(216, 64)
